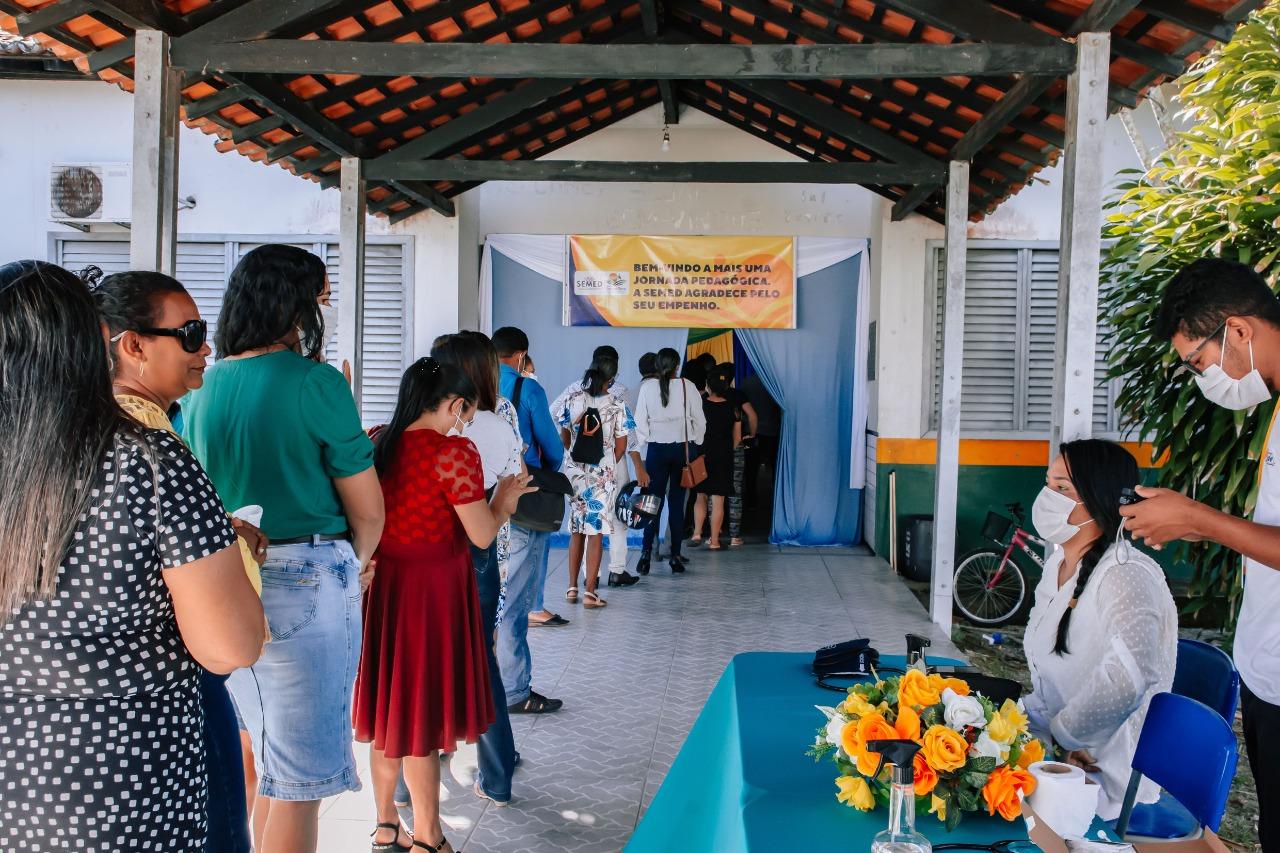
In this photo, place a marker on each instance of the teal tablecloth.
(742, 782)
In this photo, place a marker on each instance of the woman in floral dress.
(594, 426)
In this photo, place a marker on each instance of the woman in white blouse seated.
(1102, 637)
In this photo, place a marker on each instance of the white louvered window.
(1009, 328)
(205, 262)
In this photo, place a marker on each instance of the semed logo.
(601, 283)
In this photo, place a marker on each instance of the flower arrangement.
(973, 756)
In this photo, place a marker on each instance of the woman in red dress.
(423, 682)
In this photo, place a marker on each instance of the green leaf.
(983, 765)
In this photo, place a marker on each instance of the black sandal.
(425, 846)
(394, 846)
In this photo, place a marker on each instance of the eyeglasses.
(1187, 364)
(191, 334)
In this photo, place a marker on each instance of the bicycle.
(989, 587)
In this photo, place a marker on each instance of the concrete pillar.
(154, 223)
(351, 247)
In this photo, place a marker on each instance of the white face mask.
(1049, 514)
(1227, 391)
(330, 316)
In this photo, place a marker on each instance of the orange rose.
(960, 686)
(944, 749)
(926, 778)
(914, 689)
(1031, 753)
(1001, 791)
(849, 738)
(908, 723)
(871, 727)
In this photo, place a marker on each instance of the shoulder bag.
(695, 470)
(542, 510)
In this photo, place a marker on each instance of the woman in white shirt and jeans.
(1102, 638)
(668, 415)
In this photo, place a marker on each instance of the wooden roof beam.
(697, 61)
(709, 172)
(973, 20)
(1198, 20)
(1100, 17)
(256, 19)
(48, 17)
(649, 15)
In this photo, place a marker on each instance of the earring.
(142, 371)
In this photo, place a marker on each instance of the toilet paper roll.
(1063, 798)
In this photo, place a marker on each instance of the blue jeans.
(665, 464)
(228, 818)
(295, 702)
(497, 746)
(540, 585)
(525, 570)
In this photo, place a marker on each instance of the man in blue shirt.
(527, 561)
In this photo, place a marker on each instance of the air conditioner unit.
(86, 193)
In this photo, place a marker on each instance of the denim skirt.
(295, 702)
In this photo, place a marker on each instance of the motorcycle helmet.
(635, 509)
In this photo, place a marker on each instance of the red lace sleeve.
(460, 472)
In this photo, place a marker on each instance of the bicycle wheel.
(980, 596)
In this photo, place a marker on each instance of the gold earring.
(142, 371)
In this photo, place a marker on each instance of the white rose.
(962, 711)
(834, 726)
(986, 747)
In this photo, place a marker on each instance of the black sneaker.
(536, 704)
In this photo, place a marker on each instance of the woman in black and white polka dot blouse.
(118, 571)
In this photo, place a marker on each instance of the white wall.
(59, 121)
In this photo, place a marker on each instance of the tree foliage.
(1215, 192)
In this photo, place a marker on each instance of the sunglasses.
(191, 334)
(1187, 365)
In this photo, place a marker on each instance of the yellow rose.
(1010, 711)
(854, 791)
(944, 749)
(849, 739)
(915, 690)
(941, 683)
(938, 806)
(857, 705)
(1031, 753)
(1000, 729)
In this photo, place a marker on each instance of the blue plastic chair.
(1207, 674)
(1204, 673)
(1190, 751)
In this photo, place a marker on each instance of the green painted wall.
(983, 489)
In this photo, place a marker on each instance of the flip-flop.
(555, 621)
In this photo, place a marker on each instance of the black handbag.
(543, 510)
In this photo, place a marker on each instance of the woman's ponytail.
(425, 385)
(668, 364)
(1099, 470)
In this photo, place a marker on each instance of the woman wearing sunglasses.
(157, 354)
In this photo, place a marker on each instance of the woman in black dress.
(724, 434)
(118, 572)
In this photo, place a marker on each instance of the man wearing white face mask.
(1224, 322)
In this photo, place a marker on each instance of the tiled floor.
(633, 678)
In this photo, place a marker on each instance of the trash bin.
(916, 563)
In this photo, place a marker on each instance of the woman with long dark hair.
(115, 543)
(1103, 635)
(669, 420)
(279, 430)
(594, 425)
(423, 683)
(158, 352)
(720, 444)
(494, 430)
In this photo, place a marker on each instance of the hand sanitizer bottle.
(901, 836)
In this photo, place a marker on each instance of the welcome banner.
(681, 282)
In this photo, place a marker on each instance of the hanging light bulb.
(666, 138)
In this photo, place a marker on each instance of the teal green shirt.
(274, 430)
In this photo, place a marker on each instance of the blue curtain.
(532, 302)
(809, 371)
